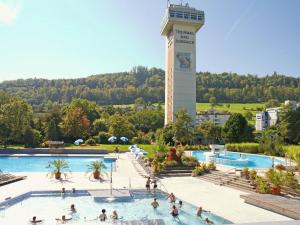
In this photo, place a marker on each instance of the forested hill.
(124, 88)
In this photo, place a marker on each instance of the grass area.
(233, 107)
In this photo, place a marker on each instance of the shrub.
(262, 185)
(243, 147)
(198, 171)
(290, 181)
(275, 177)
(103, 137)
(171, 163)
(252, 174)
(293, 151)
(141, 140)
(172, 154)
(211, 166)
(280, 167)
(189, 161)
(90, 141)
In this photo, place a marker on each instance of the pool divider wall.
(9, 151)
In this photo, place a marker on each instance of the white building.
(268, 118)
(218, 118)
(293, 103)
(180, 25)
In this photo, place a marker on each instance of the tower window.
(179, 14)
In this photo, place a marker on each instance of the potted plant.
(276, 179)
(95, 167)
(58, 166)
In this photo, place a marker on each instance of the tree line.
(126, 87)
(141, 124)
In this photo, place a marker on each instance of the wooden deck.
(282, 205)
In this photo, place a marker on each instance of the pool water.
(39, 163)
(139, 208)
(237, 159)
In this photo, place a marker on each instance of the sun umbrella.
(112, 139)
(124, 139)
(78, 142)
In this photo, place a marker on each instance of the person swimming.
(35, 221)
(208, 221)
(172, 198)
(114, 215)
(174, 211)
(103, 216)
(72, 208)
(180, 204)
(64, 219)
(155, 204)
(200, 210)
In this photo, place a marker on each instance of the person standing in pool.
(103, 216)
(72, 208)
(148, 184)
(174, 211)
(172, 198)
(155, 204)
(154, 182)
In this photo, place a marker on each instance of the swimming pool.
(137, 208)
(239, 160)
(39, 163)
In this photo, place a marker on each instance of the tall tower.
(180, 25)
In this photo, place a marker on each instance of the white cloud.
(9, 11)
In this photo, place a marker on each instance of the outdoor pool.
(39, 163)
(136, 208)
(237, 159)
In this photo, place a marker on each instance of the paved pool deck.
(223, 201)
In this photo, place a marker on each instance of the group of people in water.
(175, 207)
(174, 211)
(102, 217)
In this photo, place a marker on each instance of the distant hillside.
(125, 87)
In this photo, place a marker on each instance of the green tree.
(183, 127)
(75, 124)
(52, 133)
(15, 116)
(272, 103)
(210, 132)
(290, 126)
(271, 142)
(237, 130)
(120, 126)
(213, 101)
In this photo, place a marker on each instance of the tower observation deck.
(180, 25)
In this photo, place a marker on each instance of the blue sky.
(77, 38)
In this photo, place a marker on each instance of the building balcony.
(180, 14)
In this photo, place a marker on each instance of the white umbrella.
(112, 139)
(78, 142)
(124, 139)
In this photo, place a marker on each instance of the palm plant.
(58, 167)
(95, 167)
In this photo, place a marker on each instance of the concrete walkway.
(223, 201)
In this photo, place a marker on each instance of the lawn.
(233, 107)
